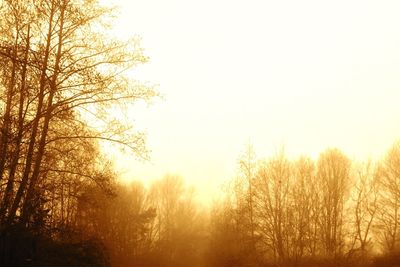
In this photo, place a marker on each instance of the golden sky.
(305, 75)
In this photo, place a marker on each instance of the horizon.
(199, 133)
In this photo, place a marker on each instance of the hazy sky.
(304, 74)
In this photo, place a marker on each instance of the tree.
(225, 247)
(273, 183)
(389, 200)
(306, 209)
(333, 173)
(60, 82)
(59, 87)
(247, 169)
(179, 224)
(366, 193)
(121, 221)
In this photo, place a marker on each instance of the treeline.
(276, 212)
(60, 204)
(329, 212)
(159, 226)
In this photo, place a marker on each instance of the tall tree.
(178, 222)
(366, 196)
(306, 209)
(273, 182)
(61, 80)
(388, 175)
(247, 169)
(333, 173)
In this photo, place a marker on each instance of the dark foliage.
(20, 246)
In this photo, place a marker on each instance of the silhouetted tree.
(389, 200)
(121, 221)
(333, 172)
(306, 210)
(366, 190)
(60, 80)
(69, 76)
(273, 182)
(178, 225)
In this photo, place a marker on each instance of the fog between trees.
(61, 204)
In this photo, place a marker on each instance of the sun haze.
(305, 75)
(199, 133)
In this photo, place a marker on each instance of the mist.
(84, 183)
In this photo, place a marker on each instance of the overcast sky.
(306, 75)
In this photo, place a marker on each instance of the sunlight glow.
(306, 75)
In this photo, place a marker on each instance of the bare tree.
(247, 173)
(61, 80)
(333, 174)
(306, 210)
(273, 183)
(178, 222)
(366, 192)
(389, 200)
